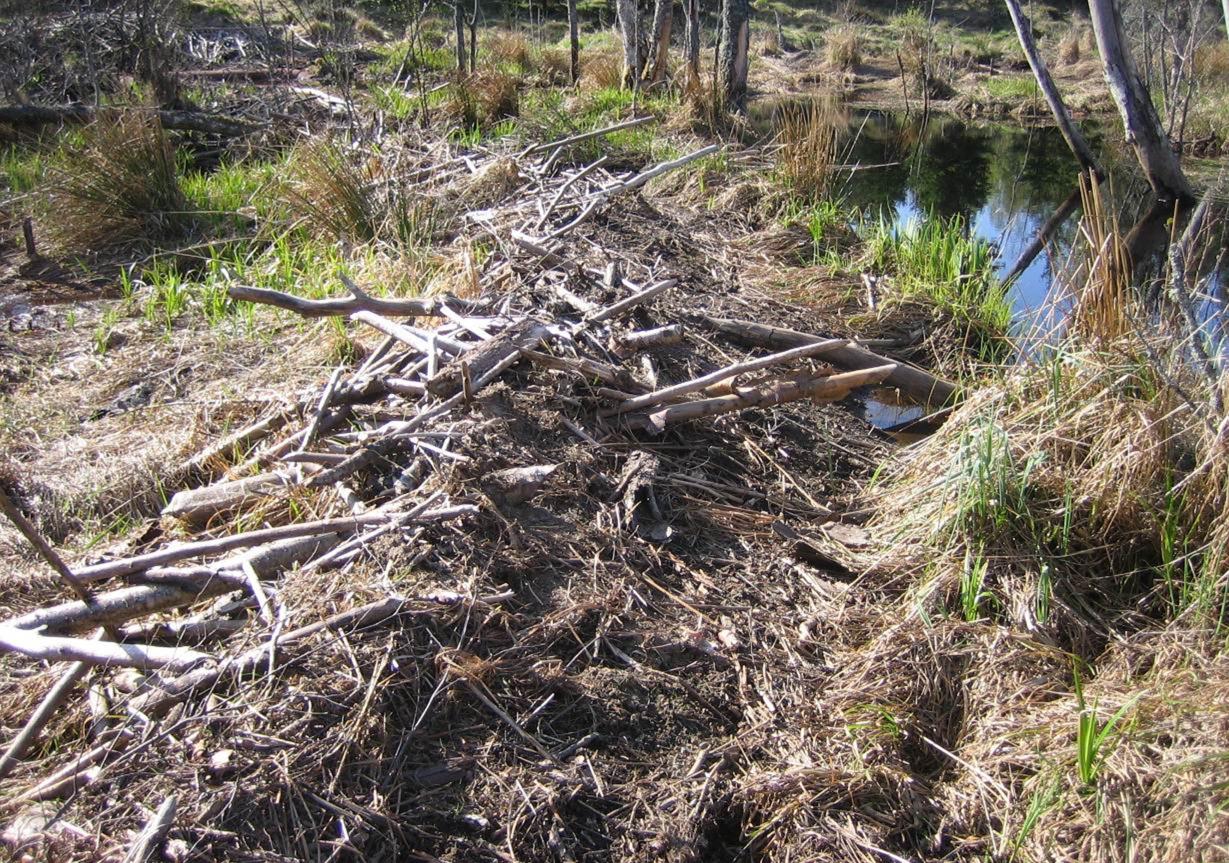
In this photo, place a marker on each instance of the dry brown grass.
(843, 47)
(807, 141)
(119, 186)
(1104, 274)
(601, 70)
(508, 47)
(483, 98)
(554, 66)
(1212, 62)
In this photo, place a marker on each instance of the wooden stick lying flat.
(910, 380)
(148, 845)
(406, 308)
(54, 648)
(586, 136)
(627, 344)
(30, 532)
(830, 388)
(630, 302)
(657, 170)
(40, 717)
(696, 384)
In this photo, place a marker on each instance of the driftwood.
(910, 380)
(830, 388)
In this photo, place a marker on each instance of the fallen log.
(348, 305)
(588, 136)
(186, 121)
(625, 345)
(823, 389)
(910, 380)
(477, 362)
(198, 505)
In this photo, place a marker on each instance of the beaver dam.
(405, 465)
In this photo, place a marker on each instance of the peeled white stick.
(106, 653)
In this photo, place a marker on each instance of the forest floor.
(1001, 642)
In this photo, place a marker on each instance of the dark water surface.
(1005, 180)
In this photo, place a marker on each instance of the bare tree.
(629, 27)
(1139, 117)
(733, 52)
(663, 20)
(691, 43)
(1071, 132)
(458, 20)
(574, 40)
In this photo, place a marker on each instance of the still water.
(1004, 181)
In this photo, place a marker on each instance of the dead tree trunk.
(1071, 132)
(691, 44)
(458, 20)
(1139, 117)
(574, 40)
(629, 28)
(733, 53)
(663, 20)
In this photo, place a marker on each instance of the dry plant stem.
(30, 532)
(407, 308)
(571, 181)
(730, 371)
(42, 714)
(1177, 264)
(54, 648)
(820, 389)
(148, 845)
(910, 380)
(325, 397)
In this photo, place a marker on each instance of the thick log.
(198, 505)
(480, 359)
(405, 308)
(625, 345)
(822, 389)
(186, 121)
(910, 380)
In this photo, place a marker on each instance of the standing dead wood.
(733, 53)
(148, 844)
(458, 22)
(831, 388)
(628, 13)
(691, 45)
(30, 532)
(27, 233)
(910, 380)
(730, 371)
(663, 18)
(54, 648)
(574, 42)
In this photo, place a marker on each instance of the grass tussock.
(509, 48)
(1212, 62)
(843, 48)
(484, 98)
(601, 70)
(808, 138)
(120, 185)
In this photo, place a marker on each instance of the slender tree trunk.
(458, 20)
(1225, 3)
(691, 44)
(473, 38)
(1071, 132)
(663, 20)
(1139, 117)
(733, 52)
(629, 27)
(574, 39)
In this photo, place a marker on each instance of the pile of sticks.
(377, 441)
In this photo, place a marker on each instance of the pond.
(1005, 181)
